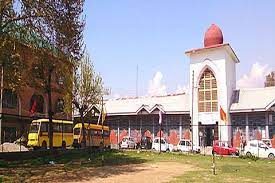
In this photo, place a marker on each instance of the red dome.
(213, 36)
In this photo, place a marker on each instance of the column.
(246, 127)
(266, 126)
(180, 127)
(129, 129)
(140, 127)
(152, 117)
(118, 132)
(270, 123)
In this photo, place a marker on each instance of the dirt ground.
(147, 172)
(134, 173)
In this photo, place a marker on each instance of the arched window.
(9, 99)
(59, 106)
(37, 104)
(208, 97)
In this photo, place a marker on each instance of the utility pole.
(1, 102)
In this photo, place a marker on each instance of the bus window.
(57, 127)
(76, 131)
(34, 127)
(106, 133)
(44, 127)
(67, 128)
(99, 132)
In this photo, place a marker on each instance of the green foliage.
(87, 84)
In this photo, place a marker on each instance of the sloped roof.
(256, 99)
(170, 104)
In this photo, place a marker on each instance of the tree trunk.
(50, 113)
(83, 129)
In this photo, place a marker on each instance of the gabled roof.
(169, 104)
(256, 99)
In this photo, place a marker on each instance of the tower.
(212, 82)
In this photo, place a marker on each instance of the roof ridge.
(258, 88)
(147, 96)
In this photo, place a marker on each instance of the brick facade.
(16, 121)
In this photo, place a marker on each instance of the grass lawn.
(227, 169)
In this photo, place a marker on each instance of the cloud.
(156, 85)
(182, 89)
(255, 78)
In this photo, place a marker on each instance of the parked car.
(165, 146)
(186, 146)
(267, 142)
(128, 142)
(21, 141)
(222, 148)
(260, 149)
(145, 143)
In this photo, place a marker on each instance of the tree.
(270, 80)
(60, 26)
(87, 89)
(12, 43)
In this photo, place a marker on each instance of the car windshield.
(76, 131)
(267, 142)
(34, 127)
(124, 139)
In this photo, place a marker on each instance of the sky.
(153, 35)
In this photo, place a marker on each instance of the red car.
(223, 148)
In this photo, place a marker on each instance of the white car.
(267, 142)
(128, 142)
(259, 148)
(164, 145)
(186, 146)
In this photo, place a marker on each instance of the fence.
(236, 134)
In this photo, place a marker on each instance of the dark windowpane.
(9, 99)
(44, 127)
(60, 105)
(201, 96)
(208, 107)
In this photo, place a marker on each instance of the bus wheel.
(63, 145)
(44, 145)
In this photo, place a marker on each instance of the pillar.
(129, 129)
(266, 126)
(180, 127)
(246, 127)
(152, 117)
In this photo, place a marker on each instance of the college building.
(20, 108)
(212, 109)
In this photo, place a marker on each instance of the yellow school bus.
(62, 133)
(93, 135)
